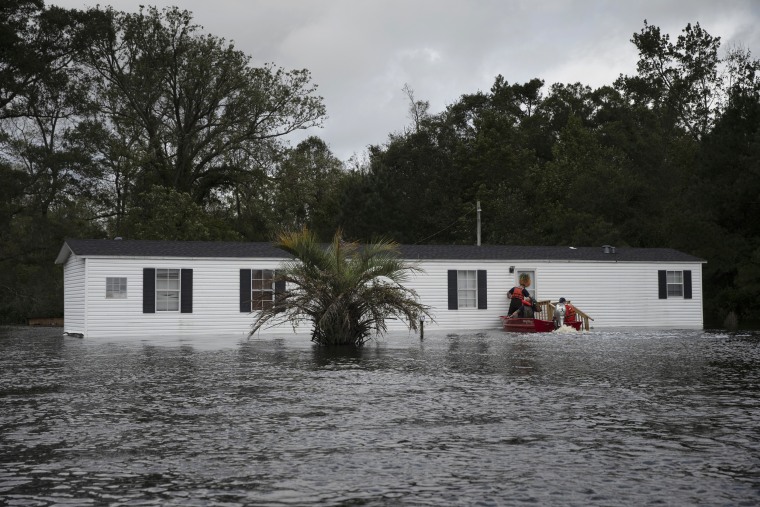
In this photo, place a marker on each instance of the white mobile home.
(125, 288)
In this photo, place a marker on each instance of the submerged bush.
(346, 290)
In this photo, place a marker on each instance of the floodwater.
(598, 418)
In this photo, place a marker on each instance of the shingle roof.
(219, 249)
(154, 248)
(547, 253)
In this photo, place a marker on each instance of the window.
(116, 288)
(258, 289)
(167, 290)
(675, 283)
(262, 289)
(467, 289)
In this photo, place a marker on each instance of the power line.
(447, 227)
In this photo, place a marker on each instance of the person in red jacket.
(570, 313)
(520, 300)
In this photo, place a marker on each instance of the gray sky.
(362, 52)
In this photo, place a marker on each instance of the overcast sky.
(361, 53)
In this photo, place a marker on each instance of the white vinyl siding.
(215, 299)
(620, 294)
(431, 286)
(74, 286)
(615, 294)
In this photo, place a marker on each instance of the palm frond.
(348, 291)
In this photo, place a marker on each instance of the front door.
(532, 288)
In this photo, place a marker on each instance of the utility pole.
(478, 223)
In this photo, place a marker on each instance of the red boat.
(521, 325)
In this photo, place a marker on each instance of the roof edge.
(64, 253)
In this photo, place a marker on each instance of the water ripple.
(617, 417)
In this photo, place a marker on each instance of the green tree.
(305, 188)
(346, 290)
(408, 189)
(36, 44)
(196, 111)
(727, 188)
(41, 92)
(168, 214)
(583, 192)
(682, 78)
(46, 184)
(423, 184)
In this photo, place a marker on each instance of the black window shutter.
(482, 290)
(663, 284)
(245, 290)
(149, 290)
(453, 299)
(687, 284)
(186, 295)
(279, 288)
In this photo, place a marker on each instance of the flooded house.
(137, 288)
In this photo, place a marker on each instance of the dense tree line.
(142, 126)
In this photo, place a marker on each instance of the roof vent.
(117, 238)
(608, 249)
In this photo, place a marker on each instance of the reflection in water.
(600, 418)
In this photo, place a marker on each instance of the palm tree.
(346, 290)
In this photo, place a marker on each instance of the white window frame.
(116, 287)
(467, 289)
(167, 295)
(674, 282)
(259, 288)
